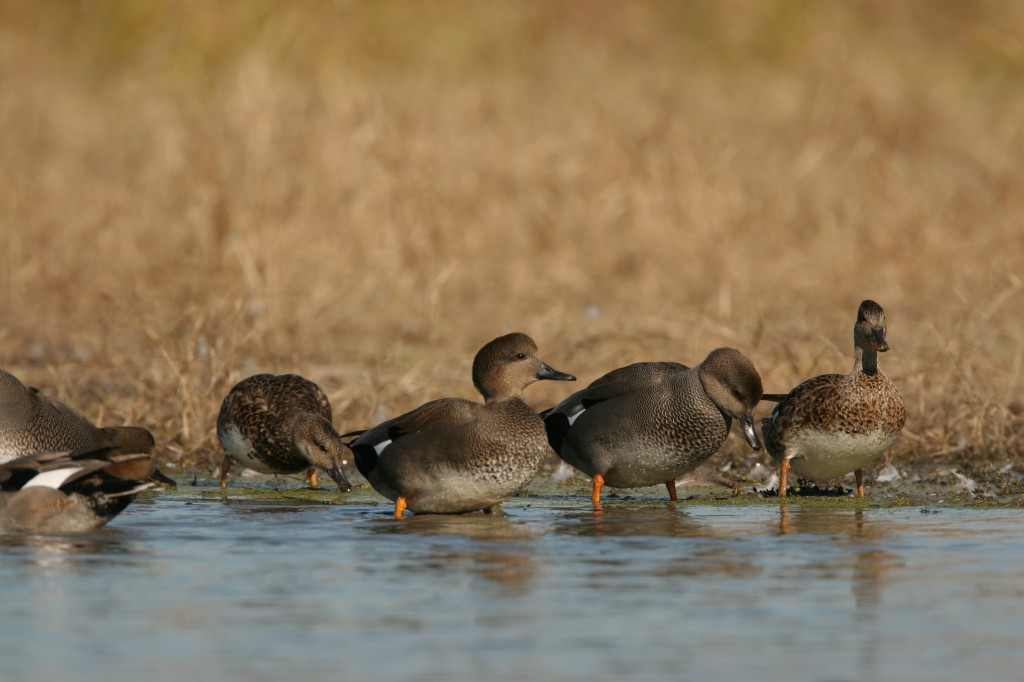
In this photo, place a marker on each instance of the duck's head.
(869, 332)
(733, 384)
(317, 441)
(508, 364)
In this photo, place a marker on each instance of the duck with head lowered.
(650, 422)
(281, 424)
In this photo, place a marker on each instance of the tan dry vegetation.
(366, 192)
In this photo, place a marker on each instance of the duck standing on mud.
(452, 455)
(833, 424)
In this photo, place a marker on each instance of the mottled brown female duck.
(281, 424)
(63, 492)
(32, 422)
(453, 455)
(651, 422)
(833, 424)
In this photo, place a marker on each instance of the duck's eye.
(736, 393)
(520, 356)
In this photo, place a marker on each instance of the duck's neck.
(865, 360)
(496, 398)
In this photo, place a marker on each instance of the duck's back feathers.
(438, 414)
(634, 378)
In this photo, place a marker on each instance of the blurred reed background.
(365, 192)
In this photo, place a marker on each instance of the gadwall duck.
(63, 492)
(281, 424)
(453, 455)
(31, 422)
(833, 424)
(651, 422)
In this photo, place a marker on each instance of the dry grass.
(365, 193)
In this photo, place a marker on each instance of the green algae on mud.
(208, 490)
(923, 489)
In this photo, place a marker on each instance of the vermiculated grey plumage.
(651, 422)
(32, 422)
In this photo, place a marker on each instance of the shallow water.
(238, 590)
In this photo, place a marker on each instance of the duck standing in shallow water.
(651, 422)
(33, 422)
(280, 424)
(452, 455)
(64, 493)
(833, 424)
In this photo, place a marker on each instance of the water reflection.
(862, 561)
(827, 521)
(72, 553)
(489, 546)
(667, 520)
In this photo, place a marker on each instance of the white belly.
(240, 449)
(822, 455)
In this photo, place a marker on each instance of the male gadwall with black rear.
(31, 422)
(64, 493)
(281, 424)
(651, 422)
(833, 424)
(452, 455)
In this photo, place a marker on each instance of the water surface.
(183, 587)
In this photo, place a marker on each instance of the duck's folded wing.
(814, 395)
(622, 381)
(18, 473)
(617, 382)
(436, 414)
(433, 415)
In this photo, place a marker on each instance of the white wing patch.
(379, 447)
(52, 479)
(573, 412)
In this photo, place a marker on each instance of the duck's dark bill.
(549, 373)
(747, 424)
(339, 477)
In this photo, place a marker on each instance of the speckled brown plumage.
(651, 422)
(280, 424)
(32, 422)
(453, 455)
(64, 493)
(833, 424)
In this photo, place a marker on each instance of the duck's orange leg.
(598, 484)
(225, 466)
(312, 477)
(859, 474)
(783, 470)
(399, 507)
(671, 485)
